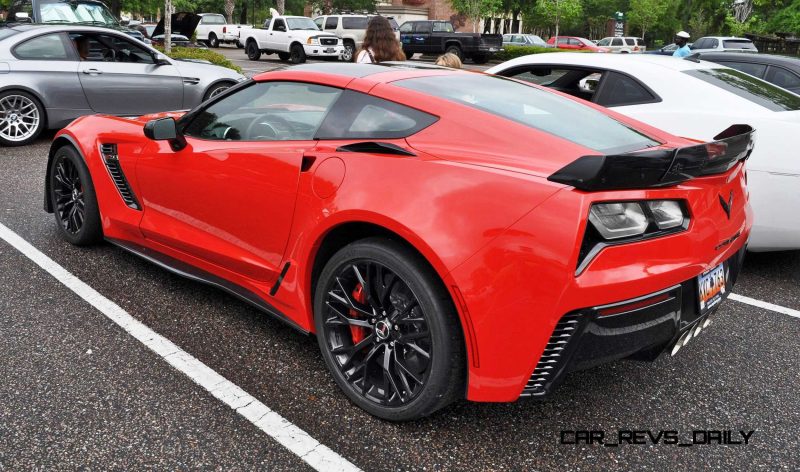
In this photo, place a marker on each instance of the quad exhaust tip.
(688, 335)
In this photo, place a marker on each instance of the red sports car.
(445, 234)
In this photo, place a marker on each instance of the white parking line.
(315, 454)
(765, 305)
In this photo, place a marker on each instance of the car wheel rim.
(218, 91)
(377, 334)
(295, 57)
(19, 118)
(69, 196)
(347, 55)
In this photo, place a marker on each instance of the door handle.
(92, 71)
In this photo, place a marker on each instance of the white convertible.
(694, 99)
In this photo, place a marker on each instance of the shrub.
(198, 53)
(511, 52)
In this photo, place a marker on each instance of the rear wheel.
(408, 54)
(216, 89)
(22, 118)
(297, 55)
(388, 331)
(455, 49)
(253, 53)
(349, 51)
(74, 200)
(213, 41)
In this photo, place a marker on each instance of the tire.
(415, 310)
(455, 49)
(252, 51)
(480, 58)
(349, 53)
(408, 54)
(213, 41)
(216, 89)
(22, 118)
(297, 55)
(73, 198)
(284, 56)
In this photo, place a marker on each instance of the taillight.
(636, 48)
(224, 29)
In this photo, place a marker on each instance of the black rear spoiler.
(660, 168)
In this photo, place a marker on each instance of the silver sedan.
(50, 75)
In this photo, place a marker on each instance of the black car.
(437, 37)
(82, 12)
(782, 71)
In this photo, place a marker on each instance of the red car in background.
(575, 42)
(444, 234)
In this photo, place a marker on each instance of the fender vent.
(554, 358)
(111, 160)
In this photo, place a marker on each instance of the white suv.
(723, 43)
(623, 44)
(351, 29)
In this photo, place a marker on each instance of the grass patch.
(206, 54)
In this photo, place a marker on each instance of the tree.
(558, 12)
(476, 10)
(229, 11)
(329, 6)
(645, 13)
(280, 6)
(167, 26)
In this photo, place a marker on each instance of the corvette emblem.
(382, 329)
(726, 206)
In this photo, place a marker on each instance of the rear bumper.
(641, 328)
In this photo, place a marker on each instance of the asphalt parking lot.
(80, 392)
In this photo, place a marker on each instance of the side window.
(700, 44)
(752, 69)
(332, 22)
(354, 22)
(109, 48)
(540, 75)
(714, 44)
(442, 27)
(574, 42)
(279, 25)
(49, 47)
(620, 90)
(319, 21)
(266, 111)
(422, 27)
(407, 27)
(783, 78)
(604, 42)
(563, 41)
(616, 42)
(630, 41)
(360, 116)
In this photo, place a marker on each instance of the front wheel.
(253, 52)
(388, 331)
(297, 55)
(216, 89)
(22, 118)
(73, 198)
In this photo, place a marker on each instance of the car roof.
(40, 28)
(751, 57)
(380, 73)
(724, 37)
(623, 62)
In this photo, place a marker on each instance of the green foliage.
(644, 14)
(511, 52)
(329, 6)
(785, 20)
(477, 9)
(198, 53)
(554, 16)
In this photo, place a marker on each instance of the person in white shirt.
(380, 44)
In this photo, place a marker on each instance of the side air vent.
(111, 160)
(553, 360)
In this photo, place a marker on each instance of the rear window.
(354, 22)
(750, 88)
(535, 108)
(738, 44)
(213, 20)
(630, 41)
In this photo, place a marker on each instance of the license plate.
(330, 50)
(712, 288)
(492, 49)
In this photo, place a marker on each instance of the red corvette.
(445, 234)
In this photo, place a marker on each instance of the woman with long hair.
(380, 44)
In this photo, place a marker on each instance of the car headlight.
(618, 220)
(312, 41)
(627, 219)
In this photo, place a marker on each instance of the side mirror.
(161, 60)
(165, 129)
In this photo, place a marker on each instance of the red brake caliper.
(357, 332)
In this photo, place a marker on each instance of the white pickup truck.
(292, 38)
(214, 30)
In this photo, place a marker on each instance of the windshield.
(604, 42)
(76, 12)
(750, 88)
(536, 108)
(301, 24)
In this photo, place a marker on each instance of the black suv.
(82, 12)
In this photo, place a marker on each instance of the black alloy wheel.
(73, 198)
(297, 55)
(388, 332)
(253, 53)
